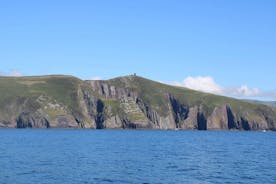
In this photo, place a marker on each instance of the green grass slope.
(58, 87)
(154, 93)
(57, 95)
(50, 95)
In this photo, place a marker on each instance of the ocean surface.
(136, 156)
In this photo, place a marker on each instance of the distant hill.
(272, 103)
(269, 103)
(132, 102)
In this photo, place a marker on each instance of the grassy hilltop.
(59, 101)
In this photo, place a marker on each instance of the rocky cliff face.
(128, 102)
(136, 113)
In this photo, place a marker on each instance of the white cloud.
(208, 84)
(245, 91)
(15, 73)
(11, 73)
(96, 78)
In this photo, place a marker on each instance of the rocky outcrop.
(138, 114)
(180, 111)
(128, 102)
(35, 120)
(113, 122)
(28, 120)
(224, 118)
(221, 119)
(131, 115)
(134, 112)
(110, 91)
(186, 117)
(100, 116)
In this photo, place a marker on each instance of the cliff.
(124, 102)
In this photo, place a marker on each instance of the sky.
(218, 46)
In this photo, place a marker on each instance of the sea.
(136, 156)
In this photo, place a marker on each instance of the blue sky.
(231, 44)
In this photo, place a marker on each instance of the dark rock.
(100, 117)
(230, 119)
(180, 111)
(245, 124)
(201, 121)
(28, 120)
(126, 102)
(148, 111)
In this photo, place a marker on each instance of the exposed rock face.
(179, 116)
(131, 116)
(34, 120)
(156, 121)
(27, 120)
(65, 122)
(180, 111)
(128, 103)
(5, 124)
(201, 121)
(100, 116)
(188, 118)
(113, 122)
(220, 119)
(110, 91)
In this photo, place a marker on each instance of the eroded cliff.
(125, 102)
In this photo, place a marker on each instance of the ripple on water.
(77, 156)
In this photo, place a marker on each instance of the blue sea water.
(136, 156)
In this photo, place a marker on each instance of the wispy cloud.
(13, 73)
(208, 84)
(95, 78)
(243, 90)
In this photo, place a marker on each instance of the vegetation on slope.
(154, 94)
(58, 95)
